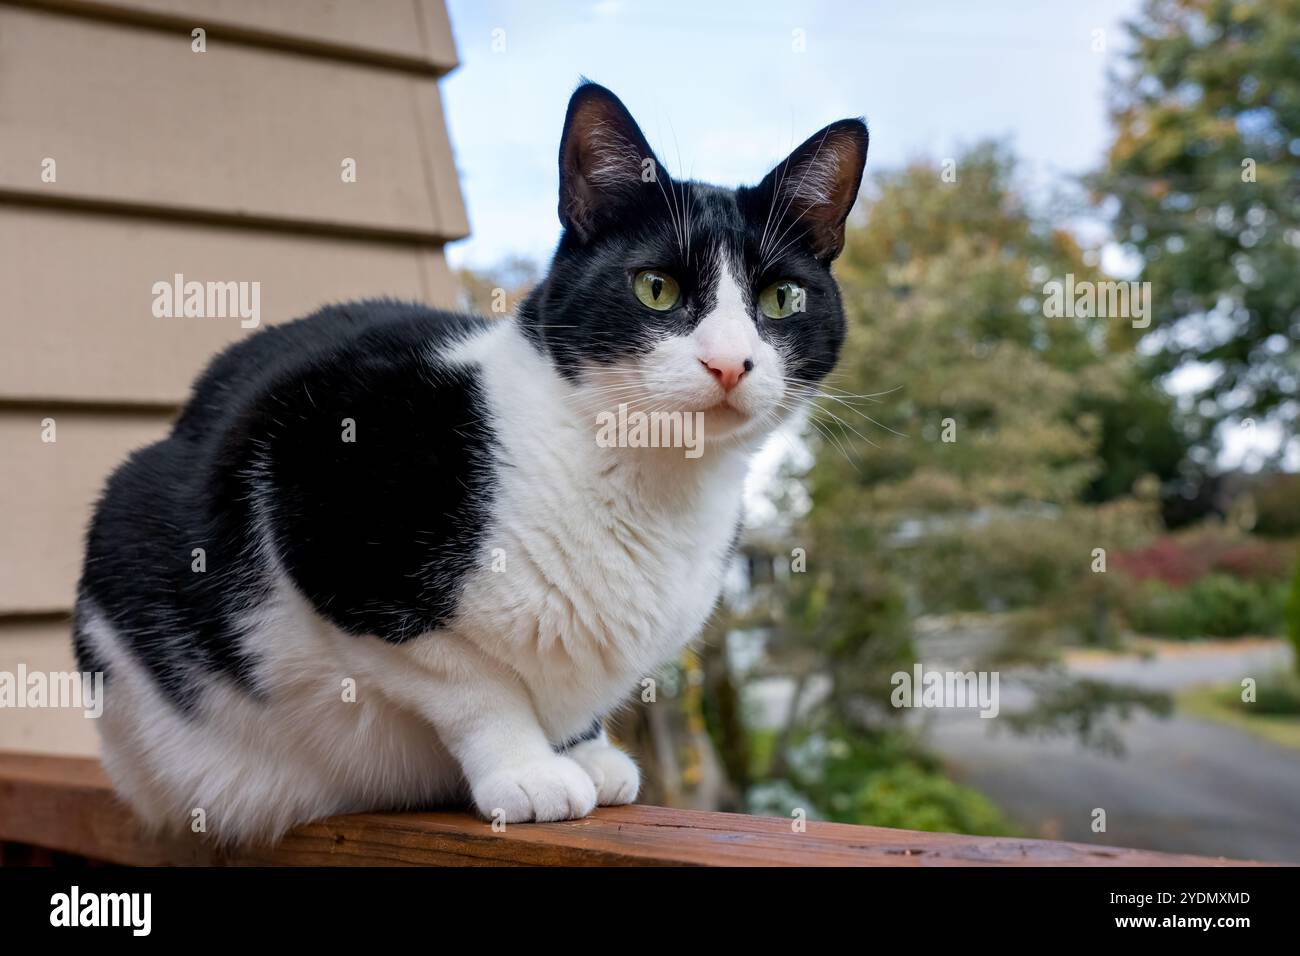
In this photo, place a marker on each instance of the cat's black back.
(341, 441)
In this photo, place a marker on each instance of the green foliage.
(943, 288)
(1293, 617)
(909, 797)
(1274, 715)
(1013, 561)
(942, 285)
(1277, 695)
(1141, 434)
(1205, 176)
(1014, 421)
(1216, 605)
(1276, 500)
(884, 779)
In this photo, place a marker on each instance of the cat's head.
(679, 296)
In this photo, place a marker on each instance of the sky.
(724, 89)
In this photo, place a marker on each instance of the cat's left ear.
(606, 165)
(814, 188)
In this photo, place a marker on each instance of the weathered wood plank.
(66, 805)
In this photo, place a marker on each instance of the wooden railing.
(57, 808)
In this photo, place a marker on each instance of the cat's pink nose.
(728, 372)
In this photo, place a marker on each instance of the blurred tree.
(1293, 618)
(498, 290)
(1004, 407)
(1204, 176)
(955, 446)
(1140, 435)
(1277, 505)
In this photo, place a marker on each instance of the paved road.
(1183, 784)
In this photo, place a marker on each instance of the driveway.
(1183, 784)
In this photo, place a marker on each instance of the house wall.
(223, 165)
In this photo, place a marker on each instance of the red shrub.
(1254, 560)
(1182, 560)
(1168, 560)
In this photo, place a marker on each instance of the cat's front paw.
(550, 788)
(615, 775)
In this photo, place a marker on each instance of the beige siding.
(42, 646)
(135, 117)
(46, 493)
(410, 33)
(221, 166)
(80, 285)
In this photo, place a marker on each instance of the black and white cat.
(422, 578)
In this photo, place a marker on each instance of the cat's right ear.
(606, 165)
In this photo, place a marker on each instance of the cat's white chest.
(590, 577)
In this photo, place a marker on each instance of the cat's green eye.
(656, 289)
(782, 299)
